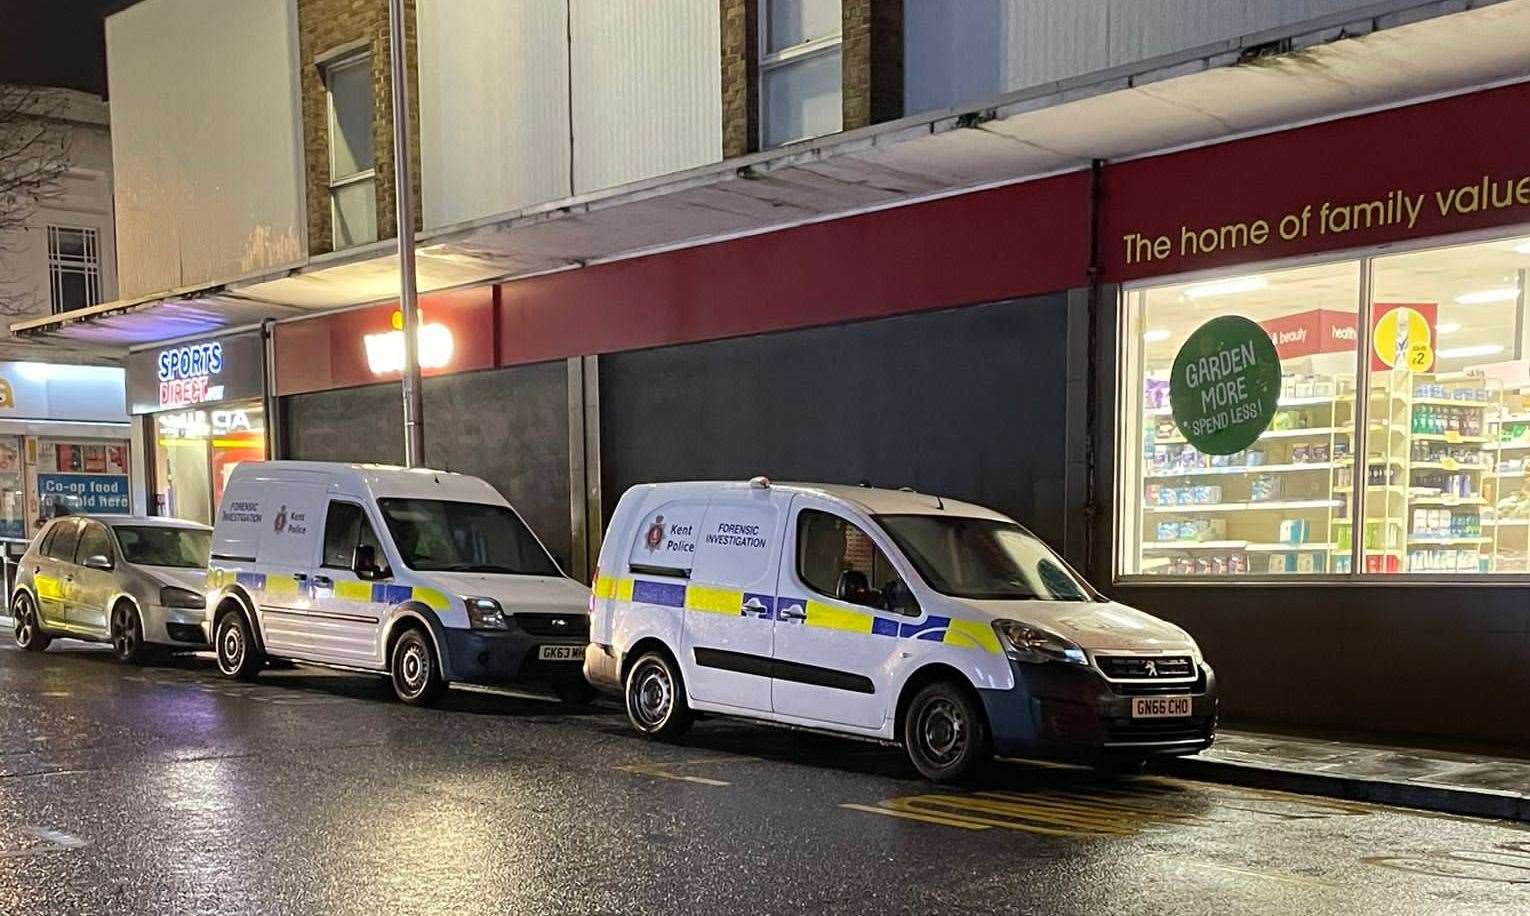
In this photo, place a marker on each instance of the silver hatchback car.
(134, 582)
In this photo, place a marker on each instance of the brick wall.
(324, 25)
(740, 86)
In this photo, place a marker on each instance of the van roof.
(871, 500)
(381, 480)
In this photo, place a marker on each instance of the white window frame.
(358, 58)
(89, 265)
(786, 57)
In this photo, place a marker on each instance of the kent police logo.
(655, 537)
(281, 520)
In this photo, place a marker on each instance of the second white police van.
(884, 614)
(426, 576)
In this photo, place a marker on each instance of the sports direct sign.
(188, 374)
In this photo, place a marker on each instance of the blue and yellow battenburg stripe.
(288, 585)
(809, 612)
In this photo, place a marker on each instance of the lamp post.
(409, 306)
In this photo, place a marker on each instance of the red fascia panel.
(1384, 177)
(317, 354)
(1014, 241)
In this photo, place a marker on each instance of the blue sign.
(91, 493)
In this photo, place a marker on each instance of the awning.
(1208, 94)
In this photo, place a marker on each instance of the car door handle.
(323, 581)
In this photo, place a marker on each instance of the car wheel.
(945, 733)
(576, 691)
(416, 674)
(656, 698)
(238, 656)
(28, 629)
(127, 635)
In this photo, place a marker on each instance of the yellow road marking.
(664, 769)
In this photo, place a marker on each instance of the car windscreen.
(444, 536)
(158, 545)
(983, 558)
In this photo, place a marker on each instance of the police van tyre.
(655, 698)
(416, 673)
(127, 635)
(28, 629)
(238, 657)
(945, 733)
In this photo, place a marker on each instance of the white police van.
(426, 576)
(884, 614)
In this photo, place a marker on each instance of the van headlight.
(1024, 642)
(485, 614)
(172, 596)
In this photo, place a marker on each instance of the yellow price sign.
(1449, 463)
(1452, 436)
(1403, 338)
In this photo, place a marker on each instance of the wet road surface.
(169, 790)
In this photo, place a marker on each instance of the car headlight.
(485, 614)
(1024, 642)
(173, 596)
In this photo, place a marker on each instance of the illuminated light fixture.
(1156, 335)
(1226, 287)
(385, 351)
(1477, 350)
(1483, 296)
(1448, 327)
(1522, 248)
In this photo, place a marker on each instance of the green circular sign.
(1225, 385)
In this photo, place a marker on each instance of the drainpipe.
(1096, 278)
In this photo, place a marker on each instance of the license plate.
(561, 653)
(1160, 707)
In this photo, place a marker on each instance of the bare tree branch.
(34, 157)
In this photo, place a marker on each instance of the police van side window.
(61, 547)
(665, 544)
(346, 526)
(837, 559)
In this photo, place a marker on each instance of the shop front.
(64, 445)
(202, 411)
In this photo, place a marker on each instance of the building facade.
(954, 247)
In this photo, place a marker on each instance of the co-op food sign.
(196, 372)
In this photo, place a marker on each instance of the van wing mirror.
(366, 565)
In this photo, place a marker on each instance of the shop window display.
(1443, 485)
(195, 452)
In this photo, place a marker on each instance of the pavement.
(167, 789)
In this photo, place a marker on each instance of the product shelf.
(1243, 469)
(1269, 505)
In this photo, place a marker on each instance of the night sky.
(55, 42)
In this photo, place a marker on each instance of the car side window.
(346, 526)
(94, 541)
(44, 548)
(837, 559)
(64, 541)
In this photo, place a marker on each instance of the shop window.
(799, 70)
(74, 268)
(195, 452)
(1279, 504)
(1443, 486)
(839, 560)
(352, 172)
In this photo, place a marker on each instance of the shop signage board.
(85, 493)
(1225, 385)
(196, 372)
(47, 391)
(1403, 336)
(1311, 332)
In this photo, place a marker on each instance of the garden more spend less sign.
(1225, 385)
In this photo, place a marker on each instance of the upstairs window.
(74, 268)
(352, 172)
(800, 70)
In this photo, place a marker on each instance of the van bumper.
(497, 657)
(1072, 712)
(603, 668)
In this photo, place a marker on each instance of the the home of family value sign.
(1225, 385)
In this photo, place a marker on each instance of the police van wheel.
(28, 629)
(238, 657)
(416, 675)
(656, 698)
(945, 733)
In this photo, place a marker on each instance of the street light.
(409, 306)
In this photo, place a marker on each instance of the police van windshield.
(983, 559)
(434, 535)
